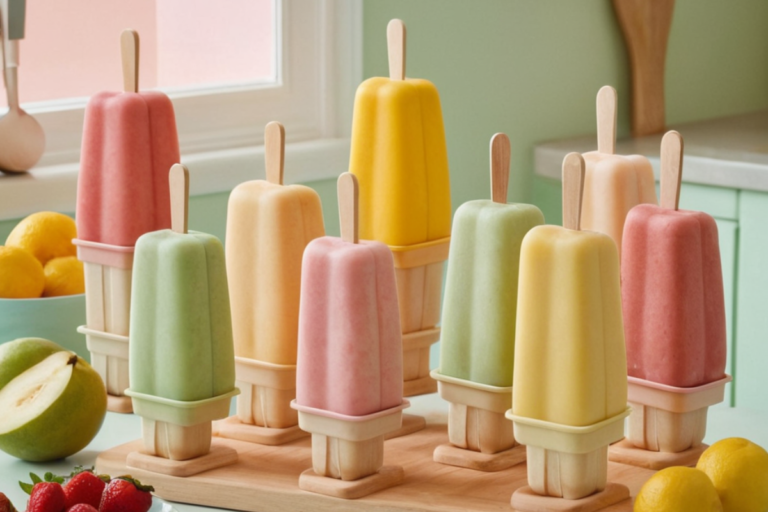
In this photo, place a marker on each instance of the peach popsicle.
(674, 311)
(399, 156)
(478, 324)
(569, 386)
(268, 226)
(129, 143)
(349, 370)
(182, 353)
(614, 184)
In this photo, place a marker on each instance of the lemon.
(739, 469)
(64, 276)
(21, 275)
(46, 235)
(678, 489)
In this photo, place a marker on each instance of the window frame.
(221, 128)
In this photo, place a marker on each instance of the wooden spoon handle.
(274, 152)
(573, 190)
(396, 49)
(645, 25)
(348, 193)
(671, 169)
(129, 48)
(500, 154)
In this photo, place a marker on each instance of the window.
(306, 80)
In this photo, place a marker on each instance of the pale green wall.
(532, 69)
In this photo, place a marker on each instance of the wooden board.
(266, 478)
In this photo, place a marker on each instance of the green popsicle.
(478, 323)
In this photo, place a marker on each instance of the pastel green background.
(532, 69)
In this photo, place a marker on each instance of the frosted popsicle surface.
(268, 228)
(570, 358)
(401, 162)
(129, 144)
(672, 288)
(181, 344)
(480, 303)
(350, 358)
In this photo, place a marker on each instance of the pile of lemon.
(731, 476)
(39, 259)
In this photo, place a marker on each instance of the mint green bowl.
(52, 318)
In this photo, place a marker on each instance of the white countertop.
(726, 152)
(118, 428)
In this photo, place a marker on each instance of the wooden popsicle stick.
(129, 46)
(396, 49)
(606, 119)
(274, 152)
(178, 180)
(671, 169)
(573, 189)
(348, 192)
(500, 154)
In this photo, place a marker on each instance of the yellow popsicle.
(570, 359)
(400, 159)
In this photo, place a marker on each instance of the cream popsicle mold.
(349, 368)
(269, 224)
(398, 153)
(182, 356)
(675, 329)
(129, 143)
(569, 385)
(478, 324)
(613, 184)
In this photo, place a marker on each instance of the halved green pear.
(51, 409)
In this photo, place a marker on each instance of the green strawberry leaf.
(50, 477)
(27, 488)
(136, 483)
(35, 479)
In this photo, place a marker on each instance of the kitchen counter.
(118, 429)
(726, 152)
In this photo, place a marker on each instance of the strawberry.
(84, 487)
(82, 507)
(5, 504)
(46, 497)
(125, 494)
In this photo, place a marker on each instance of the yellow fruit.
(739, 469)
(46, 235)
(64, 276)
(678, 489)
(21, 275)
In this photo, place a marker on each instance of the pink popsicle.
(350, 345)
(672, 294)
(129, 144)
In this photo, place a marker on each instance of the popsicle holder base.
(233, 428)
(476, 415)
(384, 478)
(419, 275)
(219, 456)
(526, 500)
(564, 461)
(266, 479)
(109, 357)
(626, 453)
(266, 391)
(119, 404)
(348, 447)
(470, 459)
(670, 419)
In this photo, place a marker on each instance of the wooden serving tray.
(265, 479)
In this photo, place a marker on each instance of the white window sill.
(54, 187)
